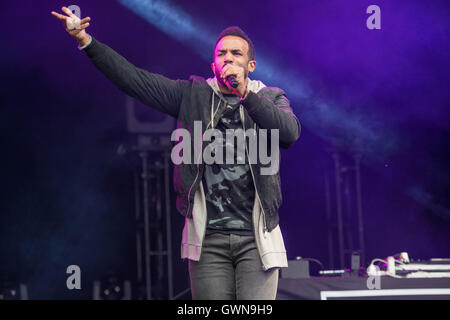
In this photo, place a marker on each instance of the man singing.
(231, 236)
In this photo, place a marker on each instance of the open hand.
(73, 25)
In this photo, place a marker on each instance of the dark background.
(67, 195)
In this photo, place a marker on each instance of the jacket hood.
(253, 85)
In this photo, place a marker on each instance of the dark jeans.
(230, 268)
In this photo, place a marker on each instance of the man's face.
(230, 50)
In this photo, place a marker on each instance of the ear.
(251, 65)
(213, 68)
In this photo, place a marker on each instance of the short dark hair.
(236, 31)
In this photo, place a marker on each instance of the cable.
(314, 260)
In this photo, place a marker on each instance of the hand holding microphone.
(233, 77)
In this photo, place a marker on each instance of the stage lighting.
(13, 291)
(112, 287)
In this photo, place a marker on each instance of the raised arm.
(151, 89)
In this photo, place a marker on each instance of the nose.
(228, 58)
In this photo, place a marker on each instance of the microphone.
(232, 81)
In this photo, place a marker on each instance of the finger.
(226, 74)
(59, 16)
(224, 69)
(73, 22)
(77, 30)
(229, 73)
(68, 12)
(230, 70)
(83, 21)
(84, 26)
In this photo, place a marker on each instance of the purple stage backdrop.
(67, 195)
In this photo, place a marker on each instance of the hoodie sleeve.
(151, 89)
(270, 109)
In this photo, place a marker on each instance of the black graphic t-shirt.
(229, 188)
